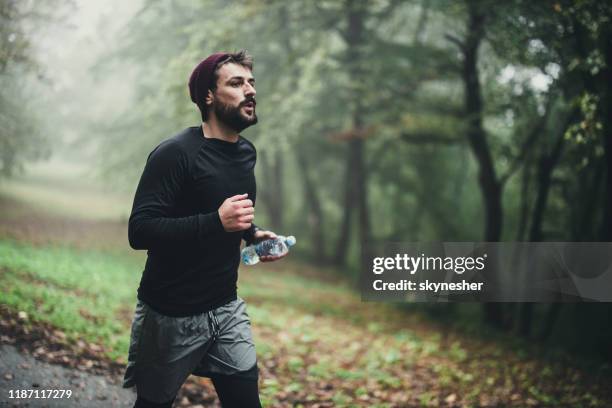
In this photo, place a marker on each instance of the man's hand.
(237, 213)
(261, 235)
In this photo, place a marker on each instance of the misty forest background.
(423, 120)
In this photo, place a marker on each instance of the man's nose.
(249, 90)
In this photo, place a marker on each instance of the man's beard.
(233, 118)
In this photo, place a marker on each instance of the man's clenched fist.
(237, 213)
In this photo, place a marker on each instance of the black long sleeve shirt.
(192, 263)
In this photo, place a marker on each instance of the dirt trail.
(21, 371)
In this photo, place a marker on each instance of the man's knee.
(251, 374)
(238, 390)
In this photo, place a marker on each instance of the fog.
(80, 88)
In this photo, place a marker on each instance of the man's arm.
(151, 225)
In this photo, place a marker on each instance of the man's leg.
(231, 362)
(238, 390)
(143, 403)
(163, 352)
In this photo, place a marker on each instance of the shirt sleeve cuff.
(249, 235)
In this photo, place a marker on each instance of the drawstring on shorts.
(214, 325)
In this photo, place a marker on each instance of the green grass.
(80, 292)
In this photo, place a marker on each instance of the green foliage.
(409, 84)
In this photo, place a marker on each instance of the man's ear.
(209, 98)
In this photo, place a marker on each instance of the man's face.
(234, 99)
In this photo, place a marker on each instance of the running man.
(193, 206)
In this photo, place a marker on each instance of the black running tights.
(233, 392)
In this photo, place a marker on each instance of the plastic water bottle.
(270, 247)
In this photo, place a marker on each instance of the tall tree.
(21, 136)
(355, 196)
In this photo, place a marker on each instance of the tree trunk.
(270, 192)
(550, 320)
(358, 147)
(524, 212)
(355, 194)
(349, 200)
(279, 196)
(315, 216)
(585, 220)
(489, 186)
(606, 104)
(525, 318)
(311, 198)
(546, 164)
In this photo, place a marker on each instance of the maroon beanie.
(201, 79)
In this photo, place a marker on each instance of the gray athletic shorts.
(165, 350)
